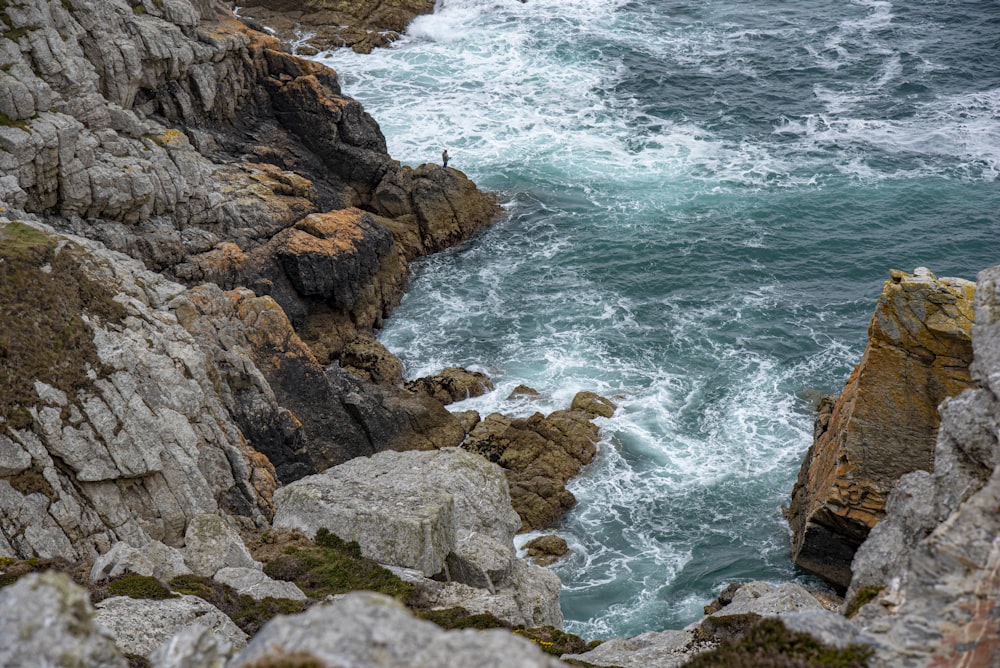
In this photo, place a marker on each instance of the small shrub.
(139, 586)
(864, 595)
(246, 612)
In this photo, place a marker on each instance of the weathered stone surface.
(593, 404)
(653, 649)
(140, 440)
(885, 421)
(539, 455)
(140, 626)
(367, 629)
(211, 544)
(153, 559)
(46, 620)
(254, 583)
(444, 512)
(941, 582)
(452, 384)
(195, 646)
(312, 26)
(753, 601)
(369, 359)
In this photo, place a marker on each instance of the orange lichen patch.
(340, 224)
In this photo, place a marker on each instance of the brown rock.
(469, 419)
(452, 384)
(546, 550)
(369, 359)
(593, 405)
(885, 422)
(361, 25)
(539, 455)
(522, 392)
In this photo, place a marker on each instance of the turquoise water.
(702, 202)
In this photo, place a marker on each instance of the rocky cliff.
(884, 423)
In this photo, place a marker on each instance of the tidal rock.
(369, 359)
(140, 626)
(885, 422)
(313, 25)
(593, 404)
(444, 513)
(539, 455)
(367, 629)
(452, 384)
(546, 550)
(46, 620)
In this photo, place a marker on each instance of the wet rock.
(539, 455)
(546, 550)
(45, 619)
(523, 391)
(369, 359)
(593, 405)
(314, 26)
(368, 629)
(452, 384)
(140, 626)
(885, 421)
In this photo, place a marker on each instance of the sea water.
(702, 201)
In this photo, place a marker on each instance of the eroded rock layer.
(885, 421)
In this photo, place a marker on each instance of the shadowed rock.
(884, 423)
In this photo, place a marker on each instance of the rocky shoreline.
(207, 459)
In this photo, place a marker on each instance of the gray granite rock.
(210, 544)
(195, 646)
(372, 630)
(141, 626)
(153, 559)
(653, 649)
(256, 584)
(46, 620)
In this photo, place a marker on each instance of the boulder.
(46, 620)
(194, 646)
(593, 405)
(152, 560)
(141, 626)
(452, 384)
(372, 630)
(884, 423)
(211, 544)
(256, 584)
(444, 513)
(653, 649)
(369, 359)
(539, 455)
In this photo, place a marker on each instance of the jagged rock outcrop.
(931, 568)
(539, 455)
(127, 435)
(46, 620)
(366, 629)
(884, 423)
(312, 26)
(445, 514)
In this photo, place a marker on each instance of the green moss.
(139, 586)
(555, 642)
(139, 9)
(43, 296)
(8, 122)
(335, 566)
(12, 570)
(771, 645)
(246, 612)
(864, 595)
(460, 618)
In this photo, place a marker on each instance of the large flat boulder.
(885, 421)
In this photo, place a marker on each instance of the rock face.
(884, 423)
(539, 455)
(452, 384)
(46, 620)
(312, 26)
(366, 629)
(936, 554)
(126, 442)
(445, 514)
